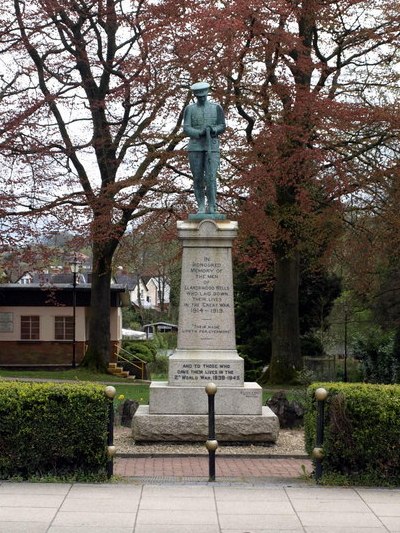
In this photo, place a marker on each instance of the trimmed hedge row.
(53, 429)
(362, 432)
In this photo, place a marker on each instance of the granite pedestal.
(206, 352)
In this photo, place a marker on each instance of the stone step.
(262, 428)
(116, 370)
(168, 400)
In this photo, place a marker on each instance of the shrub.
(53, 429)
(253, 368)
(362, 428)
(375, 350)
(159, 366)
(145, 350)
(311, 346)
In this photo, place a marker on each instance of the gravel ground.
(290, 442)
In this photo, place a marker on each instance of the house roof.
(160, 325)
(129, 280)
(35, 294)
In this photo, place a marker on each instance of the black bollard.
(212, 443)
(320, 394)
(110, 392)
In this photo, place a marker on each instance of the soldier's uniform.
(203, 122)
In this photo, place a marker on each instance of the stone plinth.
(206, 330)
(245, 400)
(191, 428)
(198, 367)
(206, 311)
(206, 352)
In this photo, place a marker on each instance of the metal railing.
(138, 363)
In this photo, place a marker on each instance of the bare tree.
(89, 98)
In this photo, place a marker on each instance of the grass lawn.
(75, 374)
(131, 390)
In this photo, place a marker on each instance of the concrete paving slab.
(321, 493)
(379, 495)
(330, 506)
(104, 519)
(179, 491)
(344, 520)
(392, 523)
(194, 518)
(347, 529)
(31, 500)
(174, 529)
(203, 507)
(257, 507)
(386, 509)
(88, 529)
(23, 527)
(95, 505)
(249, 494)
(249, 523)
(104, 490)
(26, 514)
(269, 530)
(8, 487)
(177, 504)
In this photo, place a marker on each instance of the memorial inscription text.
(206, 371)
(207, 298)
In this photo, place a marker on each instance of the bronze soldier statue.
(204, 121)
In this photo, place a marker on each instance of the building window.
(6, 322)
(30, 327)
(64, 328)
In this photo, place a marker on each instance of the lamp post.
(74, 269)
(346, 318)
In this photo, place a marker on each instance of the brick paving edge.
(224, 455)
(221, 481)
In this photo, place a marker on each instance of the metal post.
(318, 453)
(212, 443)
(74, 320)
(346, 318)
(74, 268)
(110, 392)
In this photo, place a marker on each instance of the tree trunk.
(98, 352)
(286, 355)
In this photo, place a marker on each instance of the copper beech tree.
(92, 114)
(310, 87)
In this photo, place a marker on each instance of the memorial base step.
(146, 427)
(167, 399)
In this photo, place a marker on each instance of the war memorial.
(206, 351)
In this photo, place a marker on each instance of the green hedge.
(362, 432)
(53, 429)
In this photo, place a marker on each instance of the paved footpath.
(220, 507)
(197, 467)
